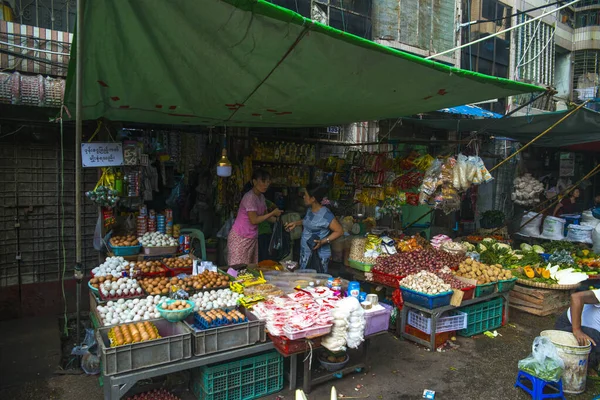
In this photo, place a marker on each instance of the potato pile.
(132, 333)
(483, 273)
(120, 241)
(233, 316)
(178, 262)
(96, 281)
(176, 305)
(147, 267)
(205, 280)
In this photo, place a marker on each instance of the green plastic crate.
(506, 285)
(482, 317)
(360, 266)
(485, 289)
(246, 379)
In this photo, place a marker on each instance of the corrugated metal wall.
(53, 58)
(30, 177)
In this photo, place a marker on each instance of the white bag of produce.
(348, 326)
(579, 233)
(596, 239)
(553, 228)
(532, 228)
(587, 219)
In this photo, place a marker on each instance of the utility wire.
(483, 21)
(482, 39)
(33, 58)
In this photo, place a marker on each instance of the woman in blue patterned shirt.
(320, 227)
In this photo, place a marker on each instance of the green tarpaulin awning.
(250, 63)
(581, 127)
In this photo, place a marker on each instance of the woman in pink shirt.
(242, 243)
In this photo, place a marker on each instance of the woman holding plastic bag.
(242, 242)
(320, 228)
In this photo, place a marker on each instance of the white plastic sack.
(223, 233)
(580, 233)
(553, 228)
(596, 239)
(587, 219)
(532, 228)
(98, 243)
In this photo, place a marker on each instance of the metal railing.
(58, 15)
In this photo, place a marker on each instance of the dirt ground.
(481, 368)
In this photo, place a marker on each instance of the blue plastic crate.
(429, 301)
(125, 250)
(245, 379)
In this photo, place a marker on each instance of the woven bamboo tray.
(546, 286)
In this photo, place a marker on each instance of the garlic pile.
(123, 287)
(527, 190)
(133, 310)
(111, 266)
(157, 239)
(425, 282)
(222, 298)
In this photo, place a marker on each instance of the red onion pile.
(157, 394)
(453, 282)
(403, 264)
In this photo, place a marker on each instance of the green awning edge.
(270, 10)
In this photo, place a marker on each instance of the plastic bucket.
(575, 358)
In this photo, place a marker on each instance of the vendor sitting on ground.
(583, 319)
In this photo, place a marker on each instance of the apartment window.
(535, 52)
(491, 56)
(352, 16)
(302, 7)
(586, 75)
(587, 18)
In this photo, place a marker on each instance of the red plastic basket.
(386, 279)
(468, 293)
(177, 271)
(440, 338)
(288, 347)
(165, 272)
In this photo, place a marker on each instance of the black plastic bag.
(314, 261)
(280, 244)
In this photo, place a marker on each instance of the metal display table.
(116, 386)
(437, 312)
(309, 358)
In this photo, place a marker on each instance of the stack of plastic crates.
(9, 87)
(32, 90)
(246, 379)
(53, 92)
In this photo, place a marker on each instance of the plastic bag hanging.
(280, 244)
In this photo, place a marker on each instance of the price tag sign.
(101, 154)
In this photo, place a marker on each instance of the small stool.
(538, 385)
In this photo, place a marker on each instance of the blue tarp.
(472, 111)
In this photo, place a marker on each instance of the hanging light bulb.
(224, 167)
